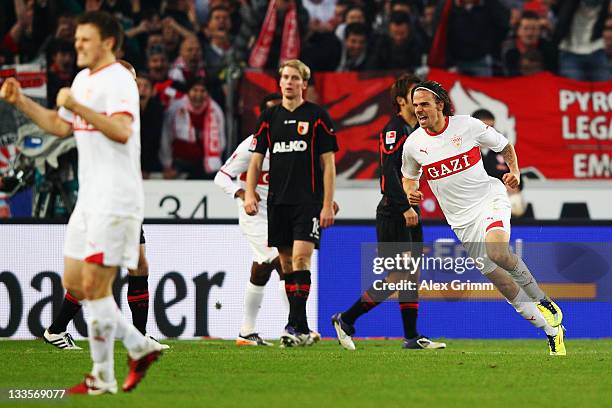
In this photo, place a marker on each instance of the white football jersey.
(237, 165)
(452, 165)
(110, 180)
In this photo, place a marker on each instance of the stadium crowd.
(184, 51)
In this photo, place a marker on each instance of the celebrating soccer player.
(396, 222)
(137, 294)
(102, 109)
(446, 149)
(301, 140)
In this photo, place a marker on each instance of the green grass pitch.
(469, 373)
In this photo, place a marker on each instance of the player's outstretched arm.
(117, 127)
(328, 164)
(47, 119)
(513, 178)
(250, 196)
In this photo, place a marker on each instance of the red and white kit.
(105, 225)
(450, 161)
(255, 227)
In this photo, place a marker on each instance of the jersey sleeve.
(325, 135)
(239, 160)
(261, 137)
(123, 98)
(411, 169)
(487, 136)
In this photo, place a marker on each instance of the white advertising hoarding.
(194, 199)
(197, 280)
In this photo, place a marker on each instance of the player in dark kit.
(398, 228)
(301, 140)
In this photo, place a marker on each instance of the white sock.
(527, 308)
(252, 302)
(101, 329)
(523, 277)
(133, 340)
(283, 295)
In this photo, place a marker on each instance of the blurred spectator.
(64, 32)
(189, 63)
(607, 36)
(355, 48)
(182, 12)
(427, 21)
(217, 50)
(400, 49)
(528, 38)
(354, 14)
(496, 166)
(203, 8)
(122, 10)
(216, 40)
(60, 69)
(193, 136)
(546, 16)
(531, 62)
(579, 32)
(322, 49)
(271, 32)
(157, 68)
(321, 15)
(138, 36)
(172, 36)
(410, 7)
(151, 122)
(468, 35)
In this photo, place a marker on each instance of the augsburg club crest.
(302, 128)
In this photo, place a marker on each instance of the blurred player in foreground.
(137, 294)
(398, 227)
(102, 109)
(446, 149)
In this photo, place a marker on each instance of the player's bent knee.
(301, 262)
(260, 273)
(75, 288)
(501, 257)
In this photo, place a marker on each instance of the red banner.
(562, 129)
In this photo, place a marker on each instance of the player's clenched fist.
(65, 98)
(250, 203)
(326, 217)
(10, 91)
(511, 180)
(411, 217)
(415, 197)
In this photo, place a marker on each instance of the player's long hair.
(440, 94)
(400, 88)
